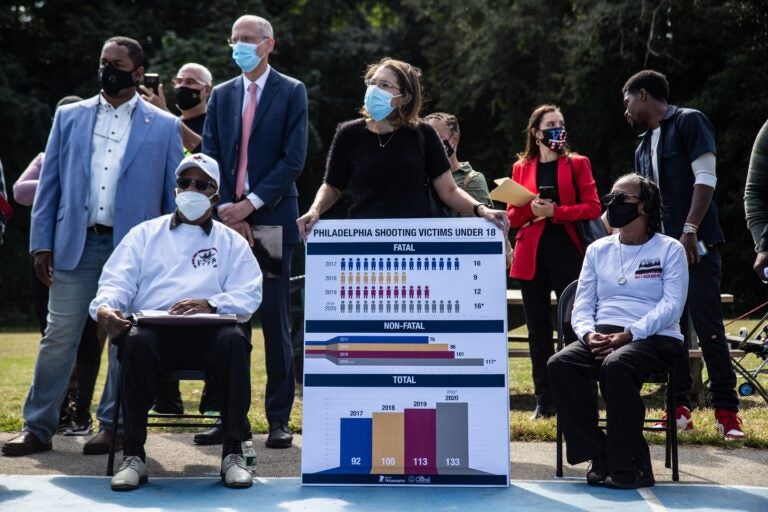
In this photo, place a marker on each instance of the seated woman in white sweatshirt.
(629, 300)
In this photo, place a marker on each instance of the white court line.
(650, 498)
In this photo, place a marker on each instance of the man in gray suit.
(109, 165)
(257, 130)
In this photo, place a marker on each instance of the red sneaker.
(729, 424)
(683, 419)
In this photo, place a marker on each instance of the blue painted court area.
(64, 493)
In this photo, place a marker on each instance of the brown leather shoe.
(24, 444)
(99, 445)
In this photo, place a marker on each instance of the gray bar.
(452, 438)
(412, 361)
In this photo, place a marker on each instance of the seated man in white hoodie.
(183, 263)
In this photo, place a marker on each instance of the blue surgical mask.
(378, 102)
(245, 55)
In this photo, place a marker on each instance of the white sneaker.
(234, 473)
(131, 475)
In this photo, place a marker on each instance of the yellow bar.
(389, 347)
(388, 442)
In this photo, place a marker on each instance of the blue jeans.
(70, 296)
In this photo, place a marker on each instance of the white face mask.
(192, 205)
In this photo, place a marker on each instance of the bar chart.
(428, 435)
(416, 441)
(388, 351)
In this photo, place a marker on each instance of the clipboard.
(511, 192)
(159, 317)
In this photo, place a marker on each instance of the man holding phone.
(191, 87)
(678, 153)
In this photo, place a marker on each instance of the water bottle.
(249, 454)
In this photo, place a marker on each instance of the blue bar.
(356, 445)
(404, 381)
(450, 248)
(424, 326)
(423, 340)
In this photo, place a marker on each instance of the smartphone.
(151, 81)
(701, 248)
(547, 192)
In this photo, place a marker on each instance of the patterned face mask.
(554, 138)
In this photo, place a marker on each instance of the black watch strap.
(476, 209)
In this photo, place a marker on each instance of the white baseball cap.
(203, 162)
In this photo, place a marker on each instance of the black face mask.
(448, 148)
(114, 80)
(187, 98)
(620, 213)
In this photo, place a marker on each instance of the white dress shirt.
(260, 83)
(110, 138)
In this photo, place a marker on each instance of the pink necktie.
(245, 135)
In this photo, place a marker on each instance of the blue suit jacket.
(277, 147)
(145, 187)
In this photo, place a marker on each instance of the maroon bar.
(420, 441)
(405, 354)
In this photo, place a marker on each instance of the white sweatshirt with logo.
(155, 266)
(649, 302)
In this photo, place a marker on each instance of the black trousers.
(223, 352)
(572, 374)
(704, 308)
(558, 263)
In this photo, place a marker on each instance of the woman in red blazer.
(548, 252)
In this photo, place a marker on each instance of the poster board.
(405, 369)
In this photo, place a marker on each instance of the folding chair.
(202, 420)
(564, 309)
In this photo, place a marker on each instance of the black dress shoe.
(629, 479)
(598, 471)
(24, 444)
(216, 434)
(99, 444)
(543, 411)
(279, 436)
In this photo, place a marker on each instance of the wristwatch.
(476, 209)
(689, 229)
(212, 304)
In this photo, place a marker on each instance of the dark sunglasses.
(201, 184)
(619, 197)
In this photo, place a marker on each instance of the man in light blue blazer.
(109, 165)
(257, 130)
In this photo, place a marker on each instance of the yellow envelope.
(511, 192)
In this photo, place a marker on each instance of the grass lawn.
(18, 351)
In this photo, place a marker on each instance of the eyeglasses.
(178, 81)
(200, 184)
(232, 41)
(383, 85)
(619, 197)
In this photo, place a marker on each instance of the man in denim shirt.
(678, 153)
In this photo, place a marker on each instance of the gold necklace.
(378, 136)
